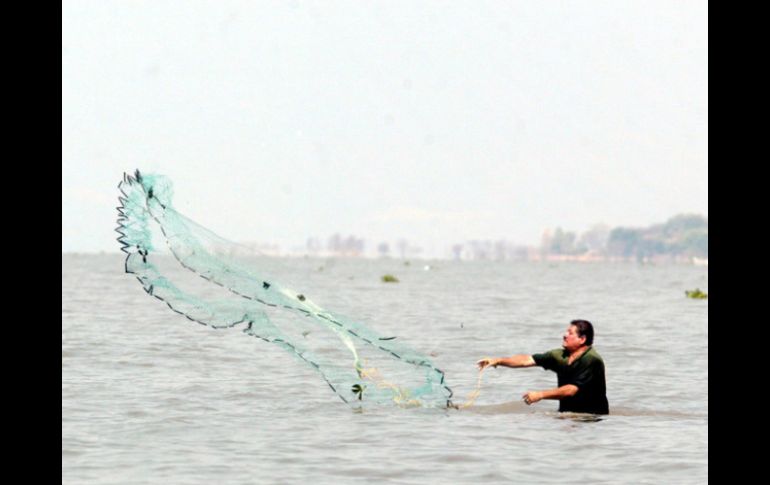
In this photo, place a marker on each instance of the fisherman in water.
(580, 370)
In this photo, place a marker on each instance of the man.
(580, 371)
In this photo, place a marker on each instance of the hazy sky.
(433, 121)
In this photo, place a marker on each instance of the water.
(150, 397)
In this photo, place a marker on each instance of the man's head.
(578, 334)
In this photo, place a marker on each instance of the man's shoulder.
(557, 353)
(549, 359)
(593, 355)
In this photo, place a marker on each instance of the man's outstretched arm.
(521, 360)
(567, 390)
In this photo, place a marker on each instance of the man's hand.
(531, 397)
(487, 361)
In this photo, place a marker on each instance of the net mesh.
(195, 273)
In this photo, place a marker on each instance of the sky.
(437, 122)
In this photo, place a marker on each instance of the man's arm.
(521, 360)
(566, 390)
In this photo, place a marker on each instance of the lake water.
(150, 397)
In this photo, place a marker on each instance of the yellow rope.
(473, 394)
(402, 397)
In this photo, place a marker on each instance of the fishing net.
(199, 275)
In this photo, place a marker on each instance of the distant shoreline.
(547, 258)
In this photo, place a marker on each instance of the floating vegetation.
(697, 294)
(389, 278)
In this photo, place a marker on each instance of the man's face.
(570, 339)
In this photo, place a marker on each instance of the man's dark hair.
(584, 329)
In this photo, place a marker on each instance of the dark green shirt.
(586, 372)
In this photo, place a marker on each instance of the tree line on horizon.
(683, 235)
